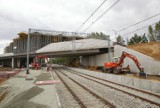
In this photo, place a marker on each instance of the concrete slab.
(144, 84)
(20, 89)
(155, 87)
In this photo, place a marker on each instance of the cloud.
(67, 15)
(3, 44)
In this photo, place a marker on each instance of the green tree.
(135, 39)
(157, 27)
(151, 35)
(150, 29)
(97, 35)
(120, 40)
(63, 60)
(157, 31)
(154, 33)
(144, 38)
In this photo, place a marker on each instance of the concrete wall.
(96, 60)
(148, 85)
(150, 65)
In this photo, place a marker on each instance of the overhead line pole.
(28, 50)
(109, 48)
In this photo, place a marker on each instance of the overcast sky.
(68, 15)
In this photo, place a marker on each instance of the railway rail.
(84, 96)
(144, 98)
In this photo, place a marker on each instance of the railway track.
(85, 98)
(130, 95)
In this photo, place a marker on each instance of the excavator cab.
(115, 59)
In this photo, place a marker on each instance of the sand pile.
(151, 49)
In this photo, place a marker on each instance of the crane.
(116, 67)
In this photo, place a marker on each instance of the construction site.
(82, 66)
(42, 68)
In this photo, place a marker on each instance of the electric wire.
(139, 22)
(90, 16)
(138, 29)
(101, 15)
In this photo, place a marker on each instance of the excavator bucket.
(142, 74)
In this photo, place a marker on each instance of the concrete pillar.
(18, 63)
(85, 60)
(12, 63)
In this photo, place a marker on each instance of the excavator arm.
(124, 55)
(42, 56)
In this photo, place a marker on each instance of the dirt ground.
(151, 49)
(2, 69)
(2, 80)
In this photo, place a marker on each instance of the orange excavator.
(116, 67)
(37, 61)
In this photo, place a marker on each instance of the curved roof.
(83, 44)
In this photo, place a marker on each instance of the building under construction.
(37, 41)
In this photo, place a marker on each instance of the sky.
(67, 15)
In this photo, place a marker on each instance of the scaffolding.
(40, 38)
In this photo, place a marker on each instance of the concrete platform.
(24, 93)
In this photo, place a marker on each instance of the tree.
(154, 33)
(157, 27)
(97, 35)
(135, 39)
(144, 38)
(157, 31)
(150, 29)
(151, 35)
(120, 40)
